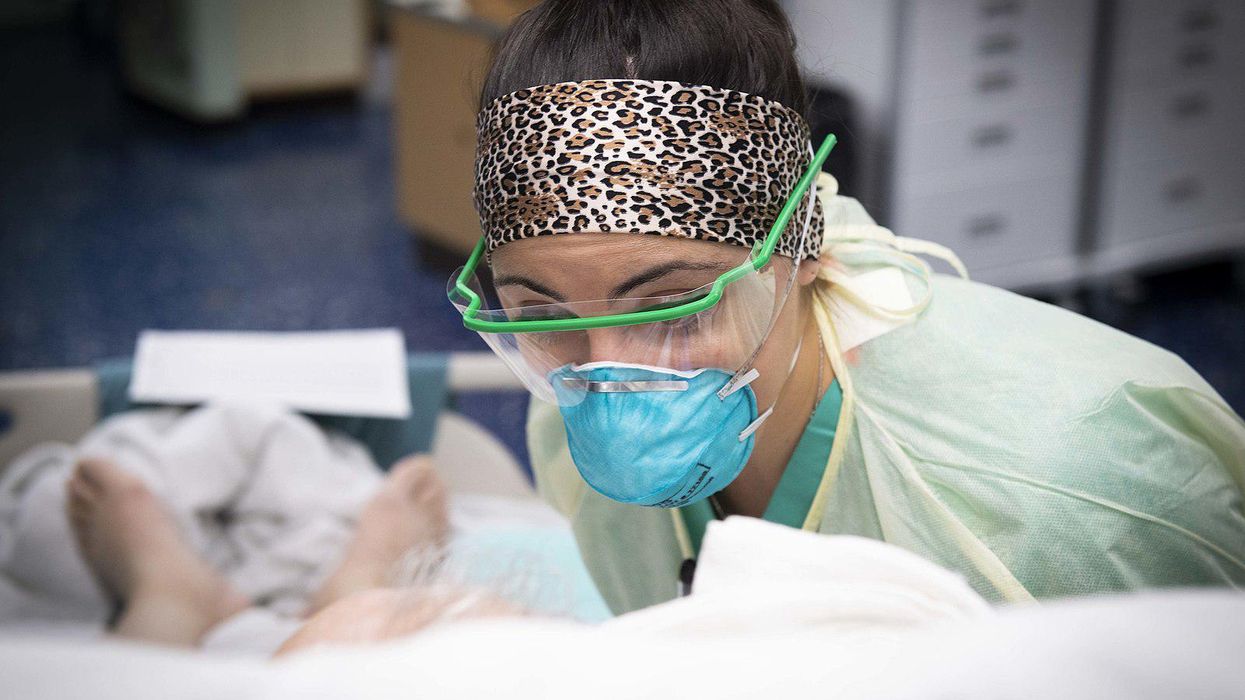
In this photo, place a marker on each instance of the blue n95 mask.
(657, 437)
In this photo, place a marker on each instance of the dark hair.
(743, 45)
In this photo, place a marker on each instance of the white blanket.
(756, 575)
(264, 494)
(886, 625)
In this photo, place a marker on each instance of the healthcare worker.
(709, 329)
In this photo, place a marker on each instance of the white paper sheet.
(356, 373)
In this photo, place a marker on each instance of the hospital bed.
(64, 404)
(1148, 646)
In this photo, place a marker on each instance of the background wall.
(849, 44)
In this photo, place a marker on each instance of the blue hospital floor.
(115, 217)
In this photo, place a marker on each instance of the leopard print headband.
(638, 156)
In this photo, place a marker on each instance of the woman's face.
(548, 274)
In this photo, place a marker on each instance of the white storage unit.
(1049, 142)
(1173, 136)
(991, 109)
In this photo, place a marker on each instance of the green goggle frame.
(760, 257)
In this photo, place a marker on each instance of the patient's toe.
(79, 493)
(111, 480)
(416, 481)
(92, 471)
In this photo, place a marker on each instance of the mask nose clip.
(623, 387)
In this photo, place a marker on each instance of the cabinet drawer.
(1167, 122)
(998, 224)
(984, 144)
(997, 49)
(1159, 42)
(1169, 196)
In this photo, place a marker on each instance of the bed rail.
(62, 404)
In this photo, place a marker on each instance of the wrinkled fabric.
(267, 497)
(758, 577)
(1037, 452)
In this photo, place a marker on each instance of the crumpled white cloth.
(924, 635)
(758, 576)
(264, 494)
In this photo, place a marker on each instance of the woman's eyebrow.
(659, 271)
(531, 284)
(650, 275)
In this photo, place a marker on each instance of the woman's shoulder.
(989, 373)
(994, 334)
(1003, 405)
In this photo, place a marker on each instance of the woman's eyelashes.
(693, 323)
(548, 312)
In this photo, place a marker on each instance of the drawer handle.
(1183, 190)
(1190, 106)
(992, 136)
(1199, 19)
(987, 226)
(996, 81)
(994, 9)
(998, 44)
(1197, 56)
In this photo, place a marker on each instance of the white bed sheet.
(881, 628)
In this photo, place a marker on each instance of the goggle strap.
(795, 270)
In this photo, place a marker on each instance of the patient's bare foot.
(381, 614)
(408, 513)
(169, 595)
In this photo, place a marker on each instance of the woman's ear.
(808, 271)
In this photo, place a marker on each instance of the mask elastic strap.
(795, 356)
(755, 425)
(753, 374)
(738, 382)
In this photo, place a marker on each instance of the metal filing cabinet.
(1173, 137)
(990, 117)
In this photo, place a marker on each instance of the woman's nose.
(610, 345)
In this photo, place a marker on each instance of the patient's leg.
(356, 605)
(386, 613)
(168, 594)
(407, 515)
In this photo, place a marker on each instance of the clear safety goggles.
(721, 324)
